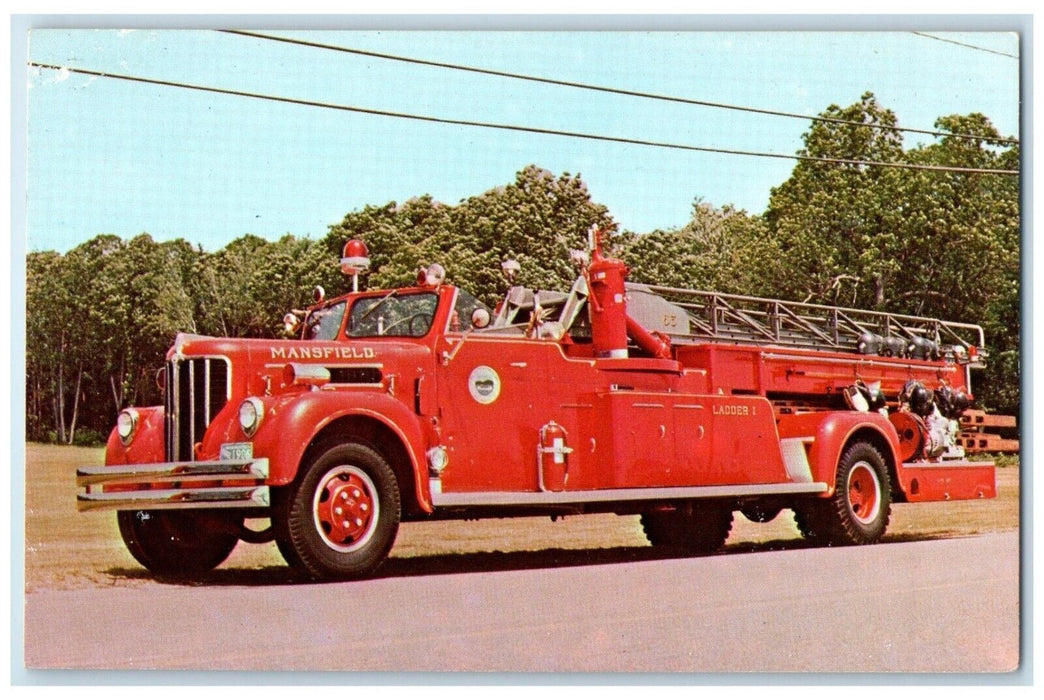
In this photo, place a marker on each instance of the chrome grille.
(196, 389)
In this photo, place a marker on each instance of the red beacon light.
(355, 258)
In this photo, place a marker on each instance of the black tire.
(176, 543)
(811, 521)
(341, 515)
(280, 526)
(859, 510)
(700, 528)
(760, 512)
(663, 528)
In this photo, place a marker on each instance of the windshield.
(324, 323)
(407, 316)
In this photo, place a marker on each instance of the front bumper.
(172, 485)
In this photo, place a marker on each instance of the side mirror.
(479, 318)
(319, 295)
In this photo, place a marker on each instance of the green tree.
(925, 242)
(830, 220)
(960, 245)
(250, 284)
(157, 305)
(956, 232)
(82, 307)
(723, 250)
(536, 220)
(46, 307)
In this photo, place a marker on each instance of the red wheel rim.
(864, 493)
(345, 508)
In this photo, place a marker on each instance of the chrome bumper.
(169, 485)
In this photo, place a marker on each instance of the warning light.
(355, 258)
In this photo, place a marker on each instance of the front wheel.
(342, 515)
(178, 543)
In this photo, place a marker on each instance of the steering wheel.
(419, 316)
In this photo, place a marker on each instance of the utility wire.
(510, 127)
(599, 88)
(961, 43)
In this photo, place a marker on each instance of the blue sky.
(107, 156)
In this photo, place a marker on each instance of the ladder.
(733, 318)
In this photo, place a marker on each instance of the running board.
(536, 498)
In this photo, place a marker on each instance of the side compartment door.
(488, 399)
(692, 438)
(745, 446)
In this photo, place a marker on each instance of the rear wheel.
(859, 510)
(699, 528)
(178, 543)
(811, 521)
(342, 515)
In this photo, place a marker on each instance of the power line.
(967, 46)
(599, 88)
(511, 127)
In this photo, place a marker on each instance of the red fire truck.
(421, 403)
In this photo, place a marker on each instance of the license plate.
(237, 451)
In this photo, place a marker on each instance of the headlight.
(251, 411)
(127, 425)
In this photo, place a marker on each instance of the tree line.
(100, 318)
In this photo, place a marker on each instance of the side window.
(462, 318)
(323, 324)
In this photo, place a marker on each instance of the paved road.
(936, 605)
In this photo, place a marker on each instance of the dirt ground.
(67, 549)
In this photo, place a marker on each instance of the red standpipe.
(608, 311)
(610, 323)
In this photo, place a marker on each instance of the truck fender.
(831, 431)
(292, 423)
(147, 446)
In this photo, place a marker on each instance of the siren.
(355, 258)
(431, 276)
(434, 275)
